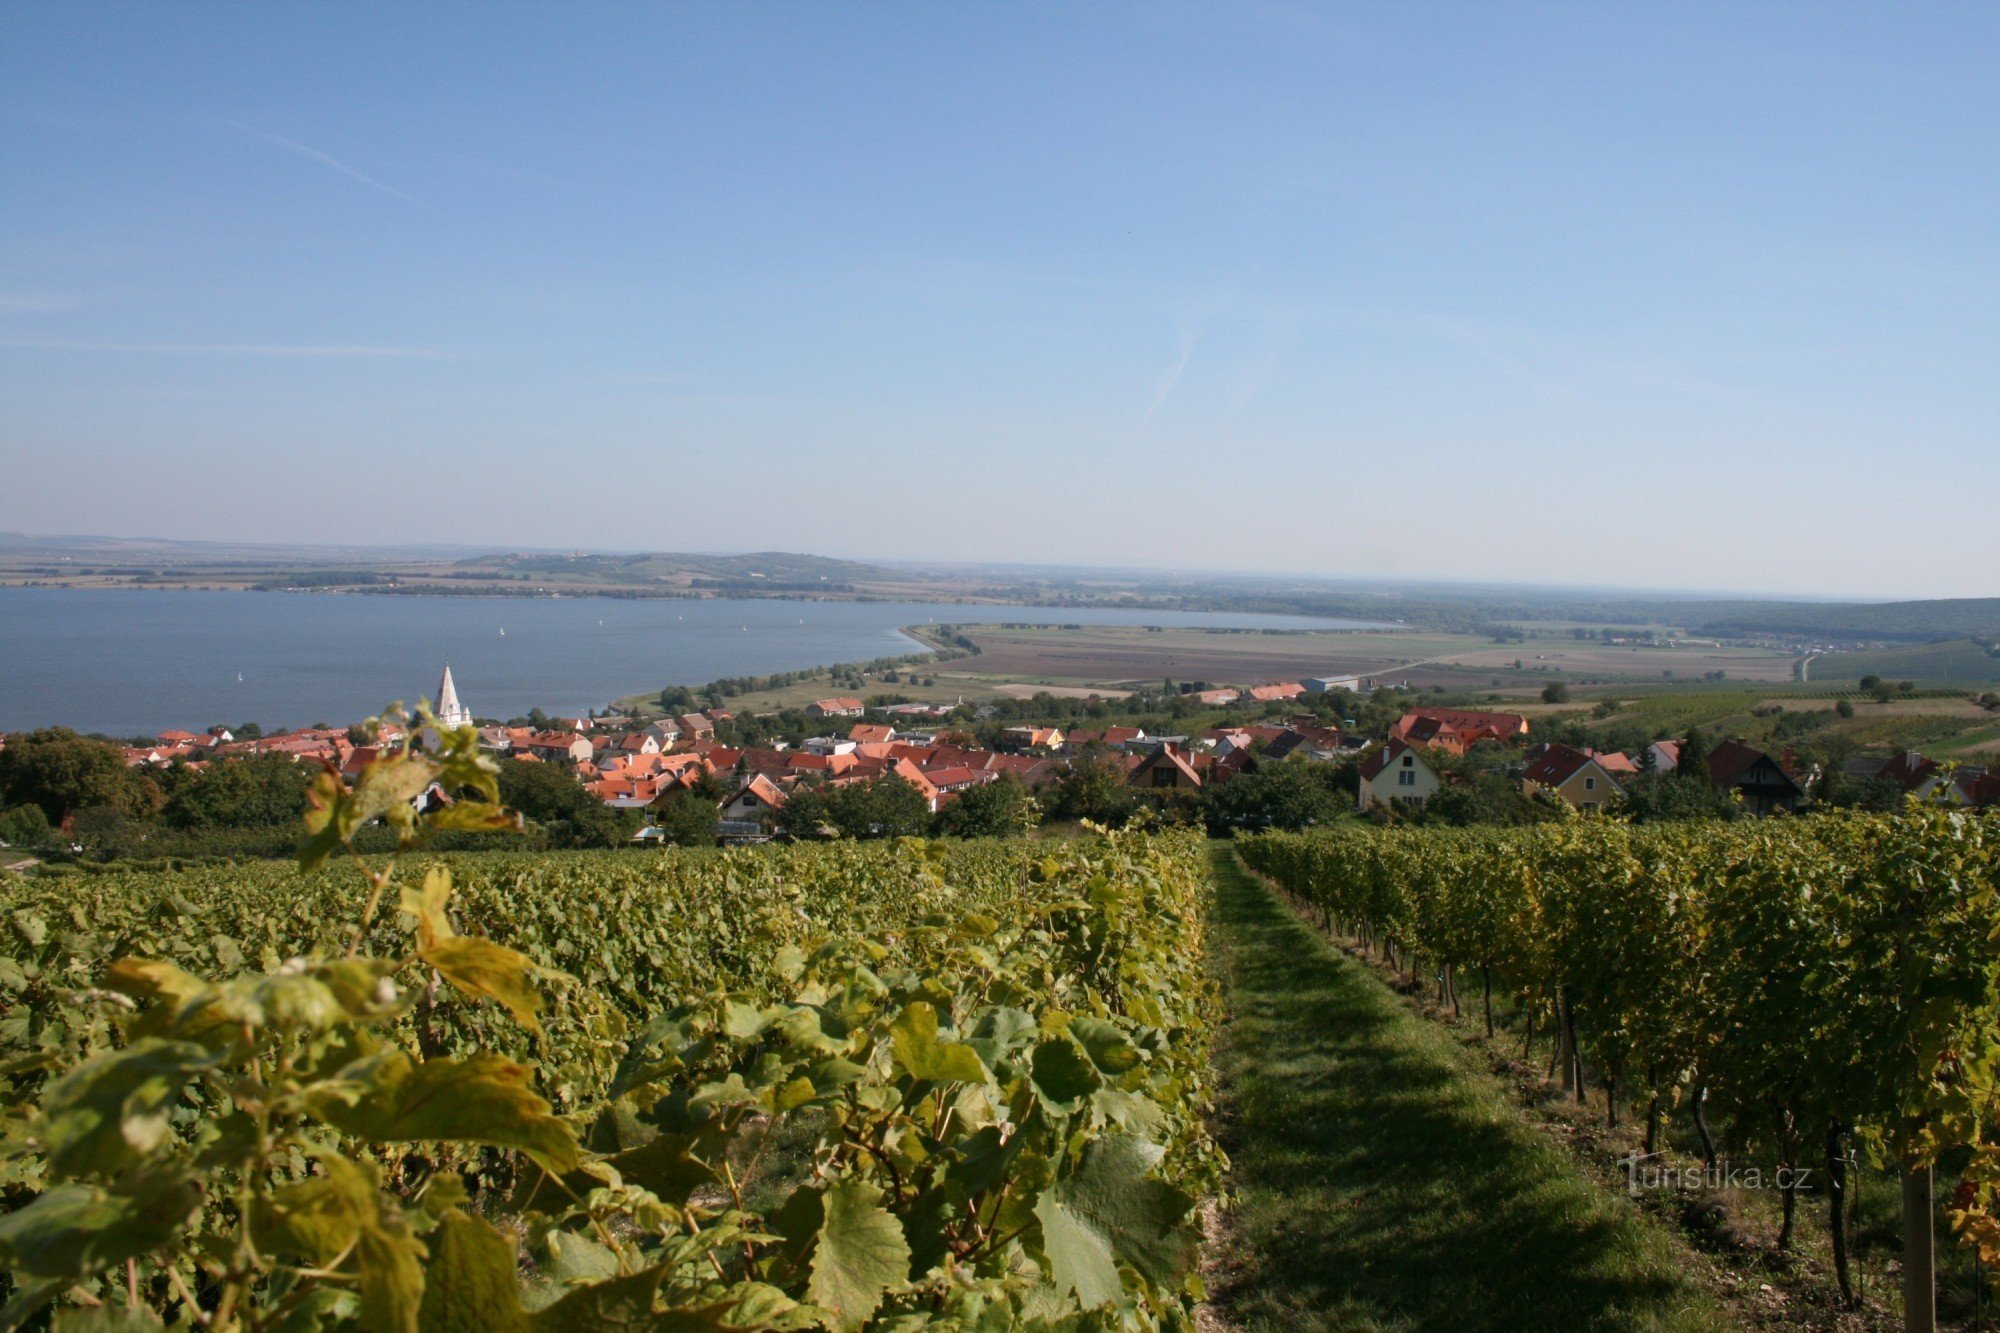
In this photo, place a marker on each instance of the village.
(629, 765)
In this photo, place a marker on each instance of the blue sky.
(1667, 296)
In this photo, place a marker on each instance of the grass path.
(1386, 1179)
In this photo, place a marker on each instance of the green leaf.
(664, 1167)
(390, 1098)
(1109, 1048)
(470, 1284)
(621, 1304)
(342, 1212)
(481, 967)
(913, 1039)
(72, 1231)
(111, 1112)
(1112, 1208)
(860, 1254)
(1062, 1074)
(319, 1218)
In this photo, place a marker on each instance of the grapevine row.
(1797, 984)
(903, 1085)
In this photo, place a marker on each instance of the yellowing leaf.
(861, 1252)
(470, 1284)
(913, 1039)
(426, 904)
(481, 967)
(390, 1098)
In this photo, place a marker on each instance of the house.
(560, 746)
(1928, 780)
(1762, 782)
(1166, 769)
(756, 803)
(1396, 772)
(665, 730)
(1032, 738)
(828, 745)
(952, 781)
(1032, 770)
(1666, 755)
(627, 743)
(1578, 776)
(1281, 692)
(1215, 698)
(841, 706)
(1328, 684)
(696, 727)
(871, 733)
(1456, 729)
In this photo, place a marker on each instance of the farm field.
(1122, 657)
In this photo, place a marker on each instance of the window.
(1590, 784)
(1409, 761)
(1589, 805)
(1406, 779)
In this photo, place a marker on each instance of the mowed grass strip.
(1386, 1180)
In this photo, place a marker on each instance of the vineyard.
(911, 1084)
(1797, 988)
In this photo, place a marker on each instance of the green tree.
(261, 792)
(886, 807)
(1093, 788)
(62, 772)
(996, 809)
(1692, 766)
(549, 796)
(24, 826)
(1555, 692)
(687, 818)
(1290, 795)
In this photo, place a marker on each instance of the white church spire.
(450, 712)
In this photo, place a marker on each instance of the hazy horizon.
(1571, 295)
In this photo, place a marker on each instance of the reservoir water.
(132, 663)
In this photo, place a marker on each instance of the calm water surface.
(136, 662)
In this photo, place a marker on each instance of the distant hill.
(1910, 622)
(1951, 662)
(760, 569)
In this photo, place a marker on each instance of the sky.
(1665, 296)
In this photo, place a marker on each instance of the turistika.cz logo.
(1645, 1171)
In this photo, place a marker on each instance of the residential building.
(840, 706)
(1763, 782)
(1579, 777)
(1166, 769)
(1396, 772)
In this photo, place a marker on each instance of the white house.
(1396, 772)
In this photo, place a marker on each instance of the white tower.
(450, 712)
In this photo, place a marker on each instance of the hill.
(1955, 662)
(1946, 618)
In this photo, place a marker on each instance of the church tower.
(450, 712)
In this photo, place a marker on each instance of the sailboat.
(239, 678)
(503, 631)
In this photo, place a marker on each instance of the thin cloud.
(324, 159)
(1172, 378)
(230, 349)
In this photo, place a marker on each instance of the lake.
(133, 663)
